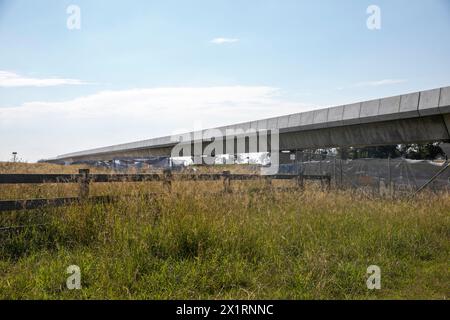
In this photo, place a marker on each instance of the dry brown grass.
(21, 167)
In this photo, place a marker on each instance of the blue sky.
(141, 69)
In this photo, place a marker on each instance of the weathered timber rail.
(84, 179)
(13, 205)
(75, 178)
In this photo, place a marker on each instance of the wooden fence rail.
(84, 179)
(103, 178)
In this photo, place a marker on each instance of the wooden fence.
(84, 179)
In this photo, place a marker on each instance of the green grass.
(244, 245)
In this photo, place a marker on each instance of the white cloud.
(375, 83)
(380, 83)
(224, 40)
(11, 79)
(44, 129)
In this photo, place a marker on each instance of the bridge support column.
(447, 122)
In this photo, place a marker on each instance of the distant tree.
(428, 151)
(369, 152)
(384, 152)
(343, 153)
(411, 151)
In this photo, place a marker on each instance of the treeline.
(427, 151)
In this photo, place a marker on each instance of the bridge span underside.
(418, 117)
(124, 154)
(413, 130)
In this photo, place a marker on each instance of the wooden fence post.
(268, 182)
(391, 189)
(84, 184)
(334, 172)
(300, 181)
(325, 182)
(167, 175)
(226, 181)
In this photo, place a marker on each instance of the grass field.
(198, 242)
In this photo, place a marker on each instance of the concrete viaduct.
(417, 117)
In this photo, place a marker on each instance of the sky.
(133, 70)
